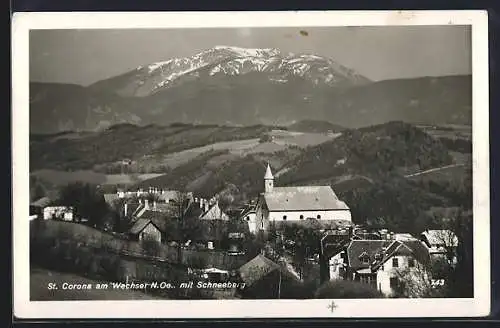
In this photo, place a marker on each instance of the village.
(302, 233)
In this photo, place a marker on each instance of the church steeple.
(268, 180)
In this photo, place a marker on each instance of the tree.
(86, 201)
(461, 278)
(187, 227)
(418, 282)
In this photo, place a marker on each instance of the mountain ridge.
(239, 86)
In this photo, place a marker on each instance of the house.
(441, 244)
(296, 204)
(265, 279)
(146, 205)
(145, 229)
(360, 255)
(204, 209)
(250, 216)
(403, 237)
(36, 207)
(111, 199)
(338, 265)
(64, 213)
(400, 260)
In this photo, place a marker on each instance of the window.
(393, 282)
(301, 217)
(382, 267)
(395, 263)
(248, 218)
(365, 259)
(318, 217)
(284, 217)
(411, 262)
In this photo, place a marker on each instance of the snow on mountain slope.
(231, 61)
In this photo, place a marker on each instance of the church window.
(301, 217)
(284, 217)
(318, 217)
(248, 218)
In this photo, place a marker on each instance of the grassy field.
(40, 278)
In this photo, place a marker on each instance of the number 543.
(437, 282)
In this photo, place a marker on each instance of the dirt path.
(432, 170)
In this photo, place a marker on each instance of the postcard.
(308, 164)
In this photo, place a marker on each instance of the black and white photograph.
(255, 162)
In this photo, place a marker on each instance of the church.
(298, 204)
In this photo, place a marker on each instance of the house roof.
(403, 236)
(248, 210)
(212, 213)
(303, 198)
(357, 247)
(167, 195)
(437, 237)
(110, 198)
(138, 209)
(412, 248)
(165, 208)
(132, 207)
(41, 202)
(256, 269)
(140, 224)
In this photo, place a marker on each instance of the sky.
(379, 53)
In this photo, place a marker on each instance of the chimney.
(154, 205)
(206, 206)
(125, 208)
(146, 204)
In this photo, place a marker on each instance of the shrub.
(346, 289)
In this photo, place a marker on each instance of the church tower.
(268, 180)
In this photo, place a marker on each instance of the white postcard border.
(23, 308)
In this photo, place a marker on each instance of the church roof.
(304, 198)
(269, 174)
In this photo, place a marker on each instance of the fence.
(84, 236)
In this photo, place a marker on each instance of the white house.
(278, 204)
(64, 213)
(399, 261)
(250, 216)
(338, 265)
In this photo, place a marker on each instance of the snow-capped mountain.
(222, 61)
(240, 86)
